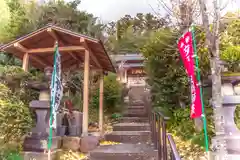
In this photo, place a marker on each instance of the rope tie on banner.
(199, 84)
(195, 56)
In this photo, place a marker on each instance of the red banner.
(185, 46)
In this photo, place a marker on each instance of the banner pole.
(52, 102)
(201, 92)
(49, 154)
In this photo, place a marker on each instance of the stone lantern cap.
(45, 83)
(40, 104)
(39, 86)
(231, 100)
(227, 77)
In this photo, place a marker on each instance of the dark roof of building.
(129, 60)
(128, 57)
(132, 65)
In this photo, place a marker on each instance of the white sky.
(109, 10)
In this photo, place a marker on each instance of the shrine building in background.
(130, 69)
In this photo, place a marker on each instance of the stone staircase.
(133, 132)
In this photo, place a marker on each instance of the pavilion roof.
(40, 47)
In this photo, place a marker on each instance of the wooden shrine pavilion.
(77, 52)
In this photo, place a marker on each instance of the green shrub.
(112, 95)
(183, 126)
(166, 74)
(15, 117)
(16, 79)
(10, 154)
(237, 117)
(232, 56)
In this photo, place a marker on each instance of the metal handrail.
(162, 141)
(162, 116)
(160, 138)
(174, 153)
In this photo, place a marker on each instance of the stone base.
(89, 143)
(71, 143)
(75, 130)
(40, 144)
(39, 155)
(215, 156)
(61, 130)
(232, 142)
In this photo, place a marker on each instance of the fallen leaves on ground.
(104, 143)
(70, 155)
(189, 151)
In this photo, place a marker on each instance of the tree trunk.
(212, 40)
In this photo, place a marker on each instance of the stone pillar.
(231, 132)
(75, 127)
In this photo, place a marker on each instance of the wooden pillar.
(101, 96)
(85, 94)
(25, 62)
(125, 74)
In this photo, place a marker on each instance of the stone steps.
(133, 119)
(133, 109)
(124, 151)
(136, 103)
(133, 137)
(136, 107)
(134, 114)
(133, 132)
(136, 110)
(131, 127)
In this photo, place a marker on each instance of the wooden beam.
(125, 75)
(101, 96)
(61, 49)
(25, 50)
(73, 56)
(54, 35)
(64, 58)
(69, 63)
(85, 94)
(83, 41)
(39, 61)
(80, 67)
(73, 67)
(25, 63)
(20, 47)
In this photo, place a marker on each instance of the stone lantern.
(35, 145)
(231, 135)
